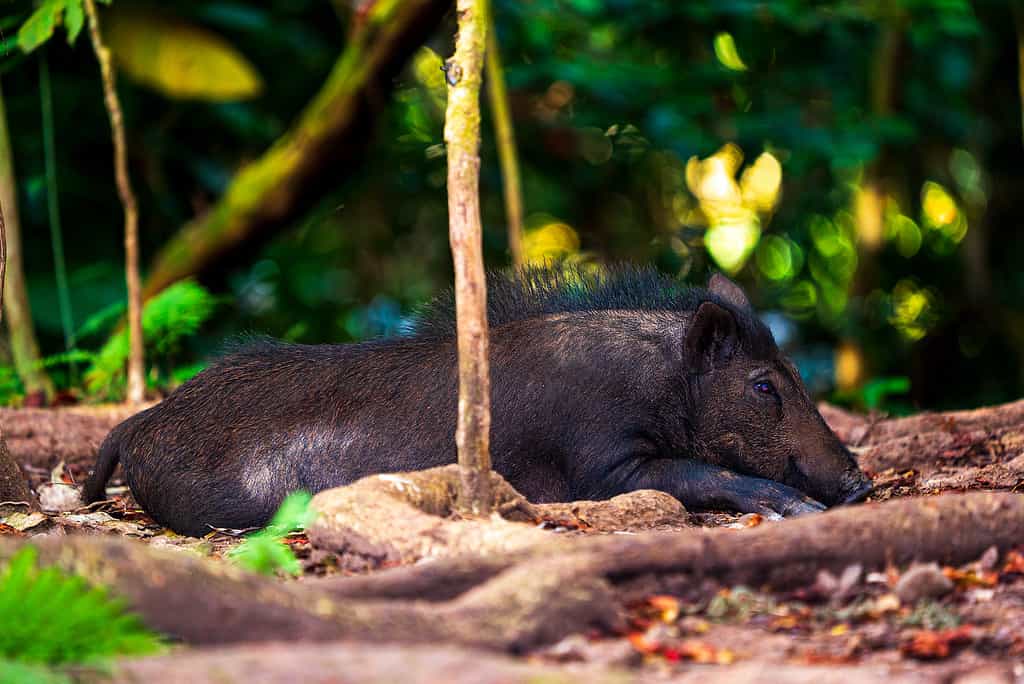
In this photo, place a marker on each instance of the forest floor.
(858, 621)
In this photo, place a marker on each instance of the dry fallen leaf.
(783, 623)
(840, 629)
(667, 607)
(971, 576)
(935, 645)
(1014, 564)
(700, 652)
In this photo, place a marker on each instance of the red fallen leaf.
(935, 645)
(7, 529)
(1014, 564)
(971, 577)
(642, 644)
(667, 607)
(752, 520)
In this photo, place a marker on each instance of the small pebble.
(924, 580)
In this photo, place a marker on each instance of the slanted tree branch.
(320, 147)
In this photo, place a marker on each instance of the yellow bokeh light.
(849, 367)
(726, 52)
(761, 182)
(549, 242)
(731, 243)
(912, 310)
(733, 211)
(938, 205)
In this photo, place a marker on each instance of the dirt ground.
(918, 622)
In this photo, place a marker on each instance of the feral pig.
(601, 384)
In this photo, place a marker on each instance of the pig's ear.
(711, 339)
(729, 291)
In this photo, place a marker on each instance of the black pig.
(600, 385)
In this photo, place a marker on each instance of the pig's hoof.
(789, 507)
(795, 508)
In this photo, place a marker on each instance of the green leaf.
(167, 319)
(74, 19)
(876, 391)
(180, 60)
(264, 551)
(38, 28)
(51, 617)
(294, 513)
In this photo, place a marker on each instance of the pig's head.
(752, 411)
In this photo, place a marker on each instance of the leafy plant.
(875, 392)
(53, 618)
(39, 27)
(13, 672)
(265, 551)
(931, 615)
(167, 319)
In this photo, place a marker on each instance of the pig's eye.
(764, 387)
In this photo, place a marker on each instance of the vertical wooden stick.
(136, 360)
(462, 136)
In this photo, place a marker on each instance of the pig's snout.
(860, 494)
(856, 487)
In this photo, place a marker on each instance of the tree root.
(403, 518)
(857, 430)
(529, 597)
(45, 437)
(951, 529)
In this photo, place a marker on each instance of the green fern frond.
(265, 551)
(52, 618)
(171, 316)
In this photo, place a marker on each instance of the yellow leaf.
(180, 60)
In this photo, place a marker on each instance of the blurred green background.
(855, 165)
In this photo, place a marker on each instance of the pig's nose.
(860, 494)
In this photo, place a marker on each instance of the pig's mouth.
(854, 486)
(859, 494)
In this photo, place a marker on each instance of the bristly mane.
(540, 291)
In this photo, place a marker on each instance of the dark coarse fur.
(600, 384)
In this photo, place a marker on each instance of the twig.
(136, 363)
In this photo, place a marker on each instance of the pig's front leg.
(700, 485)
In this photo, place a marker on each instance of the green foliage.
(265, 551)
(875, 392)
(13, 672)
(39, 27)
(53, 618)
(167, 319)
(930, 614)
(609, 106)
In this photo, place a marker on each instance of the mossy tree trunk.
(20, 329)
(13, 488)
(462, 137)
